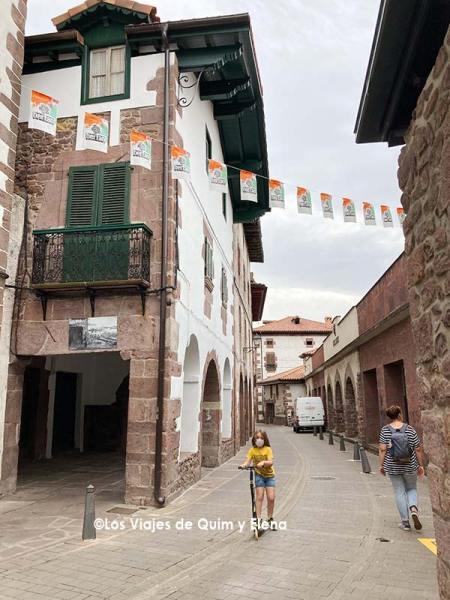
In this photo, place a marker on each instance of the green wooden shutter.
(82, 198)
(114, 194)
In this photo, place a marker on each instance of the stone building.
(134, 302)
(368, 362)
(280, 346)
(409, 103)
(12, 19)
(279, 394)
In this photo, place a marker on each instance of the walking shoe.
(272, 524)
(415, 518)
(405, 526)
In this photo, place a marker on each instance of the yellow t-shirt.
(259, 454)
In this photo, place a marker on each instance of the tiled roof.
(127, 4)
(289, 325)
(295, 374)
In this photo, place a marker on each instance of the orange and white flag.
(140, 149)
(181, 163)
(276, 194)
(369, 214)
(327, 206)
(218, 175)
(43, 112)
(95, 132)
(401, 215)
(349, 211)
(386, 216)
(249, 186)
(304, 203)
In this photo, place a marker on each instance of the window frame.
(208, 149)
(224, 205)
(208, 263)
(224, 288)
(85, 76)
(309, 342)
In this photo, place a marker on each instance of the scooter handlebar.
(248, 468)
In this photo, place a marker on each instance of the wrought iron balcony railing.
(92, 257)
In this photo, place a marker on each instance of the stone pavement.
(335, 518)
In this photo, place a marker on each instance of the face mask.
(259, 442)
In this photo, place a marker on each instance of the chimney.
(328, 320)
(296, 320)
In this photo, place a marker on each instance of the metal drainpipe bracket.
(183, 85)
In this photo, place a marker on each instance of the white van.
(308, 413)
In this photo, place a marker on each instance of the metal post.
(315, 431)
(342, 444)
(356, 451)
(89, 532)
(321, 433)
(330, 438)
(364, 461)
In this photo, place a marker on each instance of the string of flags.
(95, 136)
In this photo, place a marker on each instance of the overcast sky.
(312, 56)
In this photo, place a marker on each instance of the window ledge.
(209, 284)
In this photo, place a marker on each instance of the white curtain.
(98, 74)
(117, 70)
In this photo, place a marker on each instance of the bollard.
(315, 431)
(356, 451)
(342, 444)
(364, 461)
(330, 438)
(320, 433)
(89, 532)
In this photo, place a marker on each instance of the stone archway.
(191, 398)
(330, 408)
(211, 417)
(339, 408)
(351, 416)
(227, 400)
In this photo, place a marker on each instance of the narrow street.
(341, 538)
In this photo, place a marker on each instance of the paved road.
(331, 548)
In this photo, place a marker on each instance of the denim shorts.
(261, 481)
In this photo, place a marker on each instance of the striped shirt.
(389, 465)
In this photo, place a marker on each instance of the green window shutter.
(82, 197)
(114, 194)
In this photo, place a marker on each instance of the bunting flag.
(181, 163)
(304, 204)
(386, 216)
(327, 206)
(369, 214)
(218, 175)
(401, 215)
(140, 149)
(349, 211)
(276, 194)
(249, 186)
(43, 112)
(95, 132)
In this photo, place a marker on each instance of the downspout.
(160, 499)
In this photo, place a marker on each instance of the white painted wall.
(347, 330)
(65, 86)
(348, 365)
(198, 203)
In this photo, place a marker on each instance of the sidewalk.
(329, 550)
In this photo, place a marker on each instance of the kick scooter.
(257, 532)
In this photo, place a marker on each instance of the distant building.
(281, 345)
(279, 393)
(368, 362)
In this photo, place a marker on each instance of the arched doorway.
(248, 408)
(339, 409)
(330, 408)
(211, 417)
(351, 417)
(241, 412)
(226, 412)
(191, 398)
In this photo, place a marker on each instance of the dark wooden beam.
(223, 90)
(232, 110)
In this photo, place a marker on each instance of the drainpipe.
(160, 499)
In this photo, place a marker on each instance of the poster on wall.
(304, 203)
(43, 112)
(95, 133)
(401, 215)
(140, 149)
(327, 206)
(369, 214)
(386, 216)
(96, 333)
(249, 186)
(181, 163)
(218, 176)
(276, 194)
(348, 208)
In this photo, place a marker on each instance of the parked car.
(309, 413)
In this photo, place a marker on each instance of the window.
(107, 74)
(309, 342)
(271, 363)
(98, 195)
(224, 287)
(224, 205)
(208, 148)
(209, 264)
(269, 343)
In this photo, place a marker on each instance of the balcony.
(92, 259)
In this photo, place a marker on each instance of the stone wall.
(424, 177)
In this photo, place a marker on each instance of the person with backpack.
(401, 457)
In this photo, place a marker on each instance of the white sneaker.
(416, 520)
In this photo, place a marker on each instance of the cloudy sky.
(312, 56)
